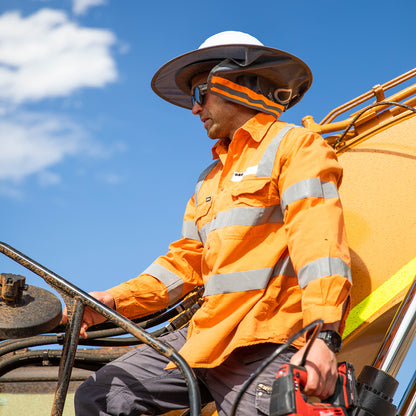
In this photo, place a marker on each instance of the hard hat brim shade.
(172, 81)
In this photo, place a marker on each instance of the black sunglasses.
(199, 93)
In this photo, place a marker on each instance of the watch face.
(332, 339)
(337, 341)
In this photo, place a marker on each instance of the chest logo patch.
(238, 176)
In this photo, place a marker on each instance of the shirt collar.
(256, 128)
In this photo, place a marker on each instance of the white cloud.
(46, 55)
(111, 178)
(46, 178)
(31, 144)
(10, 191)
(82, 6)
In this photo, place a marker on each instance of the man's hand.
(321, 366)
(91, 317)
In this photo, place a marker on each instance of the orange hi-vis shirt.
(264, 233)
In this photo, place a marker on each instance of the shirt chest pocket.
(254, 192)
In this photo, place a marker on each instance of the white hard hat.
(172, 81)
(230, 37)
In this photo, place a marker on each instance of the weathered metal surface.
(38, 380)
(12, 287)
(89, 359)
(68, 290)
(68, 356)
(26, 310)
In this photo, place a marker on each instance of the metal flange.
(26, 310)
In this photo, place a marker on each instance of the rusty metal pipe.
(87, 359)
(67, 288)
(68, 357)
(17, 344)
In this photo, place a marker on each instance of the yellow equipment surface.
(379, 198)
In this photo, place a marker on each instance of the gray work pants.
(137, 383)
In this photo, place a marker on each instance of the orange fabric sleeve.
(315, 226)
(146, 294)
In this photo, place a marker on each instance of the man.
(263, 233)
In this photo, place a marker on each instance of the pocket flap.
(252, 192)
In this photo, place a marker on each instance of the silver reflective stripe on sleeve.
(265, 166)
(312, 187)
(326, 266)
(247, 280)
(249, 216)
(202, 177)
(190, 230)
(173, 282)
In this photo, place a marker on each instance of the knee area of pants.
(82, 394)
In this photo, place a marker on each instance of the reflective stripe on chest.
(263, 169)
(238, 221)
(247, 215)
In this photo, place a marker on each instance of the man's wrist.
(332, 339)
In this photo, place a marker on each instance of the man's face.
(221, 118)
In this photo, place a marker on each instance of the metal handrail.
(407, 406)
(364, 97)
(326, 128)
(399, 336)
(80, 300)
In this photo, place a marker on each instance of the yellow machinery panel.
(377, 149)
(379, 197)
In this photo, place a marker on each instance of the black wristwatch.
(332, 339)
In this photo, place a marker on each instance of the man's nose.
(196, 108)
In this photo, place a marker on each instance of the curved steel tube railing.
(78, 300)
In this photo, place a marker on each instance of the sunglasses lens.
(198, 94)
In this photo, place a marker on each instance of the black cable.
(364, 110)
(18, 344)
(85, 359)
(103, 337)
(316, 326)
(119, 342)
(151, 320)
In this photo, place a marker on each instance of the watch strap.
(332, 339)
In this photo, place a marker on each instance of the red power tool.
(287, 399)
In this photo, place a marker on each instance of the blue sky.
(95, 169)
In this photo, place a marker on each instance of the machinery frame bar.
(68, 357)
(399, 336)
(407, 406)
(68, 289)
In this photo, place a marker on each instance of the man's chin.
(214, 134)
(211, 134)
